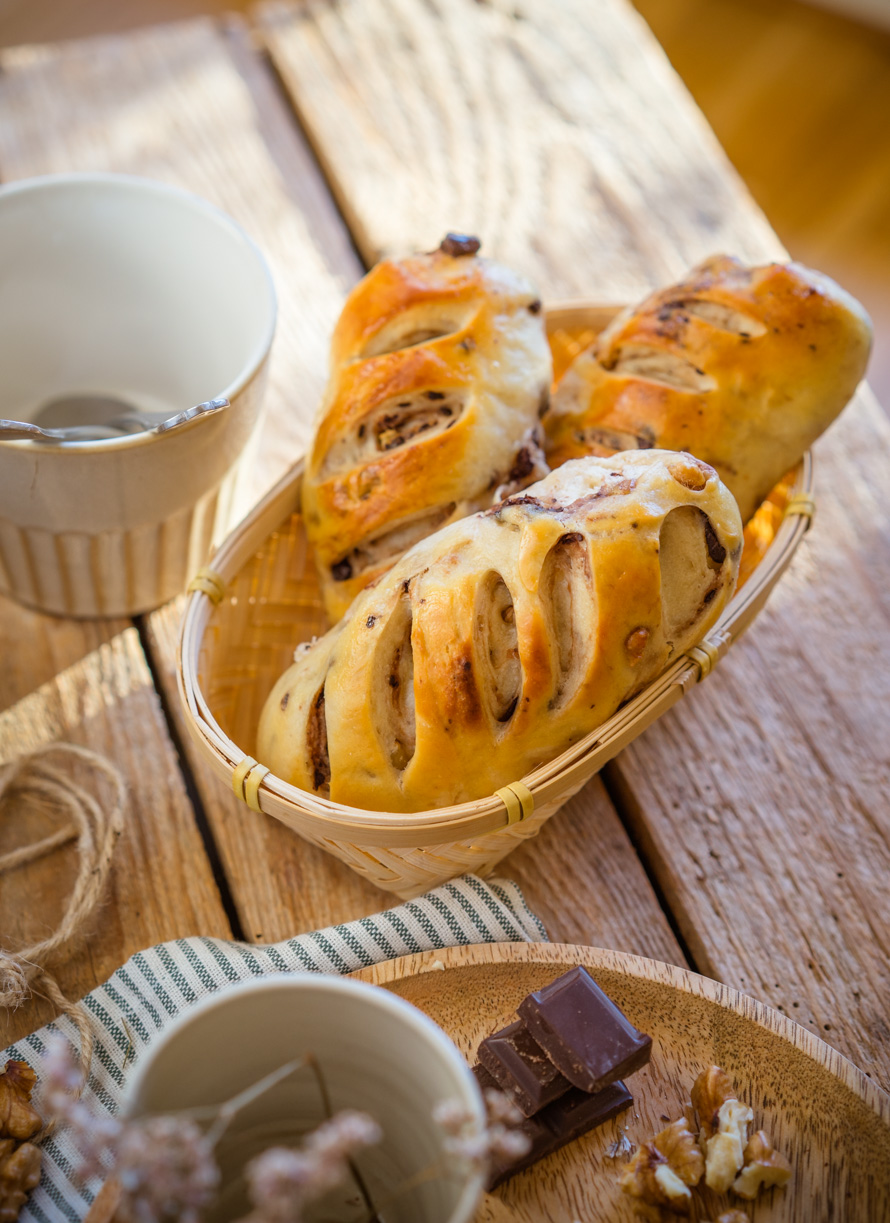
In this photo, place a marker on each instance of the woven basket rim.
(475, 817)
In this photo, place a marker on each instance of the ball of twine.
(34, 781)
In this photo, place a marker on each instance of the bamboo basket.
(245, 616)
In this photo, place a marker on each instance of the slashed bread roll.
(440, 371)
(502, 639)
(743, 367)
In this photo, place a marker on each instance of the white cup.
(377, 1054)
(133, 290)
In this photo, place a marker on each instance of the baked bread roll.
(502, 639)
(440, 370)
(743, 367)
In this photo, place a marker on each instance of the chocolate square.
(523, 1070)
(583, 1032)
(571, 1116)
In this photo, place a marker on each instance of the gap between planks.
(761, 803)
(185, 120)
(281, 127)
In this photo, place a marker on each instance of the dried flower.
(499, 1139)
(165, 1165)
(501, 1110)
(283, 1182)
(94, 1137)
(166, 1170)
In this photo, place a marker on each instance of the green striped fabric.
(158, 984)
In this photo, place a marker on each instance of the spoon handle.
(22, 430)
(19, 430)
(182, 418)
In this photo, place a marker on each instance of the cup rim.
(135, 182)
(398, 1008)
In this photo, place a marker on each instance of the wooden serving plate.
(829, 1119)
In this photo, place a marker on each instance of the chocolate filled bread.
(440, 370)
(504, 639)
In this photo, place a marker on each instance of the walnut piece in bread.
(742, 366)
(502, 639)
(440, 370)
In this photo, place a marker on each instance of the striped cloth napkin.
(156, 985)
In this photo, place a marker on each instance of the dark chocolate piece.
(571, 1116)
(583, 1032)
(523, 1070)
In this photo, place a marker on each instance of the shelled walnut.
(764, 1167)
(710, 1142)
(711, 1089)
(19, 1174)
(662, 1171)
(19, 1121)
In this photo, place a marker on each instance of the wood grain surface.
(798, 97)
(197, 105)
(762, 806)
(568, 145)
(761, 803)
(90, 684)
(818, 1109)
(170, 103)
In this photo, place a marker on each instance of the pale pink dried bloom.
(166, 1170)
(510, 1144)
(452, 1116)
(94, 1137)
(501, 1110)
(165, 1165)
(61, 1074)
(498, 1138)
(283, 1182)
(472, 1149)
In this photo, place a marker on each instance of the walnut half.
(764, 1167)
(724, 1124)
(661, 1172)
(711, 1089)
(19, 1174)
(19, 1121)
(17, 1117)
(725, 1154)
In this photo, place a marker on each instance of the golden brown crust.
(502, 639)
(743, 367)
(439, 367)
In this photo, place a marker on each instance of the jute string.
(34, 781)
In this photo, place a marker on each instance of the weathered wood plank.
(191, 118)
(89, 683)
(568, 145)
(585, 883)
(281, 885)
(169, 103)
(763, 802)
(572, 148)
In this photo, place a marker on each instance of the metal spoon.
(130, 422)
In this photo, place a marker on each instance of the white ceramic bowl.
(132, 289)
(377, 1053)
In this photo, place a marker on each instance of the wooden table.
(747, 834)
